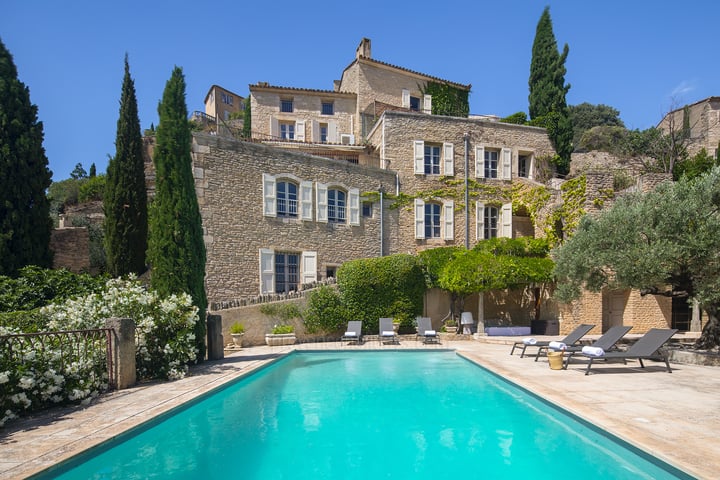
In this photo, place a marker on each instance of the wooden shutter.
(479, 221)
(269, 196)
(315, 131)
(309, 267)
(405, 98)
(332, 132)
(274, 128)
(480, 162)
(300, 130)
(449, 220)
(321, 202)
(419, 156)
(419, 218)
(506, 173)
(267, 271)
(506, 221)
(448, 159)
(427, 104)
(306, 200)
(354, 206)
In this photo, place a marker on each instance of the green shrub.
(92, 189)
(325, 311)
(382, 287)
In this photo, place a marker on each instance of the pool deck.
(671, 416)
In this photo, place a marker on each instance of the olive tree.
(664, 242)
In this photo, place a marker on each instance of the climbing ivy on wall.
(447, 100)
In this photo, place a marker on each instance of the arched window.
(336, 206)
(287, 199)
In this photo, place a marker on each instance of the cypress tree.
(548, 89)
(176, 251)
(25, 223)
(125, 198)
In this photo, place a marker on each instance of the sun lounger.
(386, 333)
(648, 347)
(353, 332)
(425, 330)
(606, 342)
(571, 339)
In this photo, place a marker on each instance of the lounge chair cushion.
(388, 333)
(430, 332)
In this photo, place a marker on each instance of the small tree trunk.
(710, 337)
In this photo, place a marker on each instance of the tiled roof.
(438, 79)
(296, 89)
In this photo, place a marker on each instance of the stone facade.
(395, 137)
(229, 182)
(704, 124)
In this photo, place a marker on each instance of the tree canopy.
(25, 223)
(586, 116)
(664, 242)
(125, 199)
(493, 264)
(176, 251)
(548, 107)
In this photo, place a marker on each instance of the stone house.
(704, 122)
(314, 189)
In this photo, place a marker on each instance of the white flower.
(4, 377)
(26, 383)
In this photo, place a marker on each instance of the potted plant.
(396, 325)
(451, 325)
(282, 332)
(281, 335)
(237, 330)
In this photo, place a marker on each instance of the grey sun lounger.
(386, 332)
(425, 330)
(353, 332)
(572, 338)
(648, 347)
(606, 341)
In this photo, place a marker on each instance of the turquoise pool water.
(367, 415)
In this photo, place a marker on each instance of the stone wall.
(229, 185)
(71, 248)
(587, 309)
(395, 137)
(646, 312)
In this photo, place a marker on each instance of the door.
(613, 308)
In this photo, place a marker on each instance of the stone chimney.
(363, 50)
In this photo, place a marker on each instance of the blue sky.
(640, 57)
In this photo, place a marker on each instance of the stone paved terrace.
(672, 416)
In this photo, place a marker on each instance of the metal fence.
(64, 346)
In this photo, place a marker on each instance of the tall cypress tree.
(125, 197)
(548, 106)
(25, 223)
(176, 251)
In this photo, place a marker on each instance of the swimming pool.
(360, 415)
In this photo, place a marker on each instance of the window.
(327, 108)
(330, 271)
(414, 104)
(287, 271)
(282, 272)
(287, 199)
(287, 130)
(432, 220)
(523, 165)
(227, 99)
(491, 163)
(432, 159)
(336, 206)
(286, 105)
(367, 208)
(491, 223)
(323, 133)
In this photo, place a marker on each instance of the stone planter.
(237, 338)
(452, 329)
(277, 339)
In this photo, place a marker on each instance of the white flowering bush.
(33, 378)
